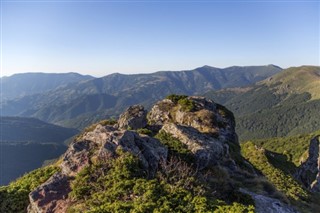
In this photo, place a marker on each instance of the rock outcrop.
(206, 116)
(133, 118)
(309, 171)
(207, 129)
(207, 150)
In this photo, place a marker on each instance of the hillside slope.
(284, 104)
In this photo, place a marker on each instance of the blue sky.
(102, 37)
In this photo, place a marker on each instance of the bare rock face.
(133, 118)
(265, 204)
(207, 150)
(309, 171)
(77, 157)
(52, 196)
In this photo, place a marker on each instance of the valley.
(26, 143)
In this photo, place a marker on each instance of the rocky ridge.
(205, 128)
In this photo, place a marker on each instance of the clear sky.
(102, 37)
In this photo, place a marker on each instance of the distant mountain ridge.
(19, 85)
(108, 96)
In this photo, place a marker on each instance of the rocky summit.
(182, 156)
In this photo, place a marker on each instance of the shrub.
(183, 101)
(175, 98)
(145, 131)
(123, 186)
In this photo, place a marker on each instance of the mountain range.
(80, 103)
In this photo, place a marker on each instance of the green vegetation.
(280, 121)
(234, 208)
(14, 197)
(175, 98)
(295, 148)
(145, 131)
(122, 185)
(277, 169)
(283, 182)
(185, 103)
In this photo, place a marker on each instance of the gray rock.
(207, 117)
(207, 150)
(52, 196)
(77, 157)
(265, 204)
(308, 172)
(135, 117)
